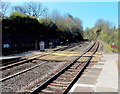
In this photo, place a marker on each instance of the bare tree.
(103, 25)
(19, 9)
(32, 9)
(55, 15)
(78, 23)
(100, 24)
(4, 7)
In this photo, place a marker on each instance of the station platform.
(101, 77)
(22, 54)
(18, 55)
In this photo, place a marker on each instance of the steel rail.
(81, 71)
(23, 59)
(36, 91)
(18, 73)
(18, 63)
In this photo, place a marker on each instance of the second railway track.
(29, 58)
(64, 79)
(74, 64)
(21, 62)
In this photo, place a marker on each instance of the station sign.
(6, 45)
(42, 45)
(113, 45)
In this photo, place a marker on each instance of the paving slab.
(97, 66)
(87, 80)
(105, 89)
(89, 74)
(95, 69)
(81, 88)
(84, 89)
(108, 79)
(99, 63)
(102, 78)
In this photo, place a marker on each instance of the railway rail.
(75, 64)
(7, 63)
(64, 79)
(21, 61)
(29, 58)
(66, 47)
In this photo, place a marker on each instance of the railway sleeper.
(76, 67)
(73, 70)
(77, 64)
(69, 72)
(61, 86)
(51, 89)
(66, 75)
(44, 91)
(61, 82)
(64, 79)
(73, 67)
(57, 88)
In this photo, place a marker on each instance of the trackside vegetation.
(38, 29)
(31, 23)
(24, 28)
(105, 32)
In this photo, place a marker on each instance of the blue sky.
(88, 12)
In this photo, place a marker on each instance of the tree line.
(105, 32)
(30, 23)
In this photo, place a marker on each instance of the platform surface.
(18, 55)
(102, 77)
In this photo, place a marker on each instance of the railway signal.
(113, 46)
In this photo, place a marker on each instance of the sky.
(88, 12)
(60, 0)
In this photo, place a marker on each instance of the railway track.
(23, 60)
(20, 61)
(64, 79)
(18, 73)
(30, 58)
(33, 67)
(66, 47)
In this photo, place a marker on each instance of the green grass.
(108, 48)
